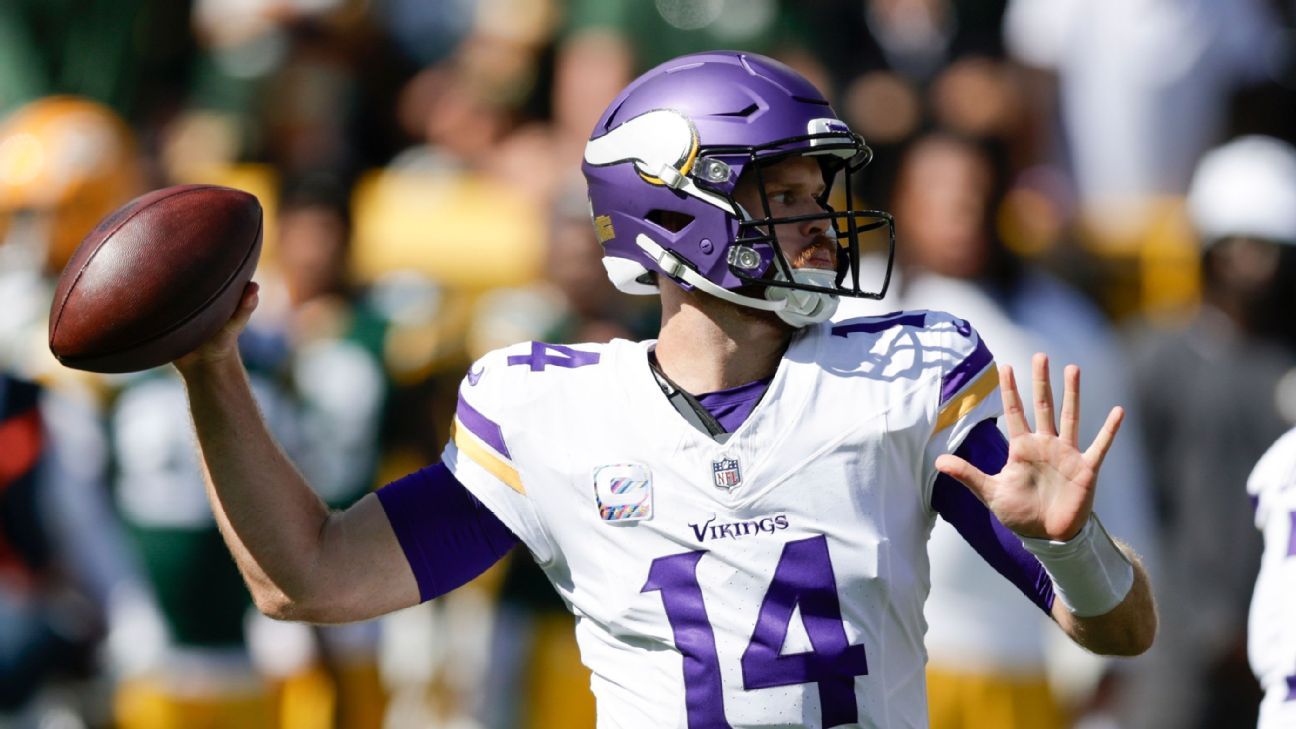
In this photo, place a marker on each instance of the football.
(155, 279)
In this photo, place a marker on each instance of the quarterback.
(736, 512)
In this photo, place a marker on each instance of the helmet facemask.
(777, 277)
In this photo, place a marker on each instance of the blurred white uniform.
(1143, 84)
(1271, 632)
(776, 579)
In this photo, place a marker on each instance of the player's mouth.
(820, 253)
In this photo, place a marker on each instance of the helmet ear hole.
(669, 220)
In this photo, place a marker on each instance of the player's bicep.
(363, 570)
(417, 538)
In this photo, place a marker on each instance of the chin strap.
(810, 307)
(796, 307)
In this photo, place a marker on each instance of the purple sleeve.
(448, 536)
(986, 448)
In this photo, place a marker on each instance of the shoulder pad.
(517, 376)
(940, 340)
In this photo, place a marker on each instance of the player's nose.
(813, 230)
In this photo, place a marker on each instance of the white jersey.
(1271, 634)
(775, 580)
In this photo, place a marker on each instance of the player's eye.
(782, 198)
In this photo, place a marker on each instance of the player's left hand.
(1046, 489)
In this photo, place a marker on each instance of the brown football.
(155, 279)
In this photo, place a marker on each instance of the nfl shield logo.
(726, 474)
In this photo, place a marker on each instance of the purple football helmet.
(672, 146)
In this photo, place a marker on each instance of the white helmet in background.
(1246, 187)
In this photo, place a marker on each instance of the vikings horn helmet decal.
(676, 140)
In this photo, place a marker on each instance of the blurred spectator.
(482, 147)
(297, 83)
(65, 163)
(484, 108)
(575, 302)
(606, 43)
(63, 566)
(1143, 90)
(591, 310)
(655, 32)
(1213, 395)
(463, 108)
(902, 66)
(427, 32)
(126, 54)
(989, 648)
(916, 39)
(202, 675)
(333, 342)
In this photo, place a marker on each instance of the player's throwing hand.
(1046, 489)
(224, 344)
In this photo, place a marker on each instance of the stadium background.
(418, 166)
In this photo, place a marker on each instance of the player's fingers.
(973, 477)
(247, 305)
(251, 296)
(1103, 441)
(1042, 392)
(1069, 418)
(1014, 416)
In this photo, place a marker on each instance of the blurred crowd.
(1110, 181)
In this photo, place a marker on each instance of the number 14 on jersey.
(804, 578)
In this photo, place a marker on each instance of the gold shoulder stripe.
(485, 457)
(964, 402)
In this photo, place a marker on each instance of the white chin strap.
(796, 307)
(806, 307)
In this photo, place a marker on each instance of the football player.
(1271, 641)
(65, 163)
(736, 512)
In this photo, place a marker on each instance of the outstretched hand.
(1046, 489)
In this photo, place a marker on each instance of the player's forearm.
(268, 515)
(1126, 630)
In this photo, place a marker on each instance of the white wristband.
(1091, 575)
